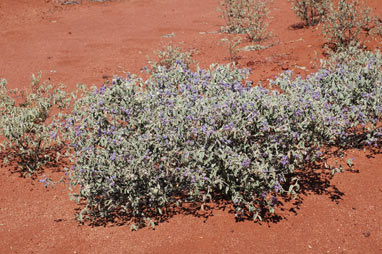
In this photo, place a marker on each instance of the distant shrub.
(311, 12)
(345, 22)
(246, 17)
(29, 140)
(140, 147)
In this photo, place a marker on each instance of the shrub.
(139, 147)
(233, 46)
(169, 55)
(344, 24)
(28, 138)
(246, 17)
(311, 12)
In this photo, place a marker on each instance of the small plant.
(311, 12)
(233, 45)
(246, 17)
(343, 25)
(29, 140)
(169, 55)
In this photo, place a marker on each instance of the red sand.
(83, 43)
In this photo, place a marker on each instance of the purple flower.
(229, 126)
(78, 131)
(317, 96)
(53, 135)
(277, 187)
(274, 200)
(111, 181)
(102, 89)
(204, 129)
(284, 160)
(245, 163)
(45, 181)
(113, 156)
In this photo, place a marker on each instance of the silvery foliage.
(183, 136)
(28, 139)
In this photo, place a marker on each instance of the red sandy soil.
(91, 42)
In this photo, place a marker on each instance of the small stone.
(171, 35)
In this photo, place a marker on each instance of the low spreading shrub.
(246, 17)
(140, 147)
